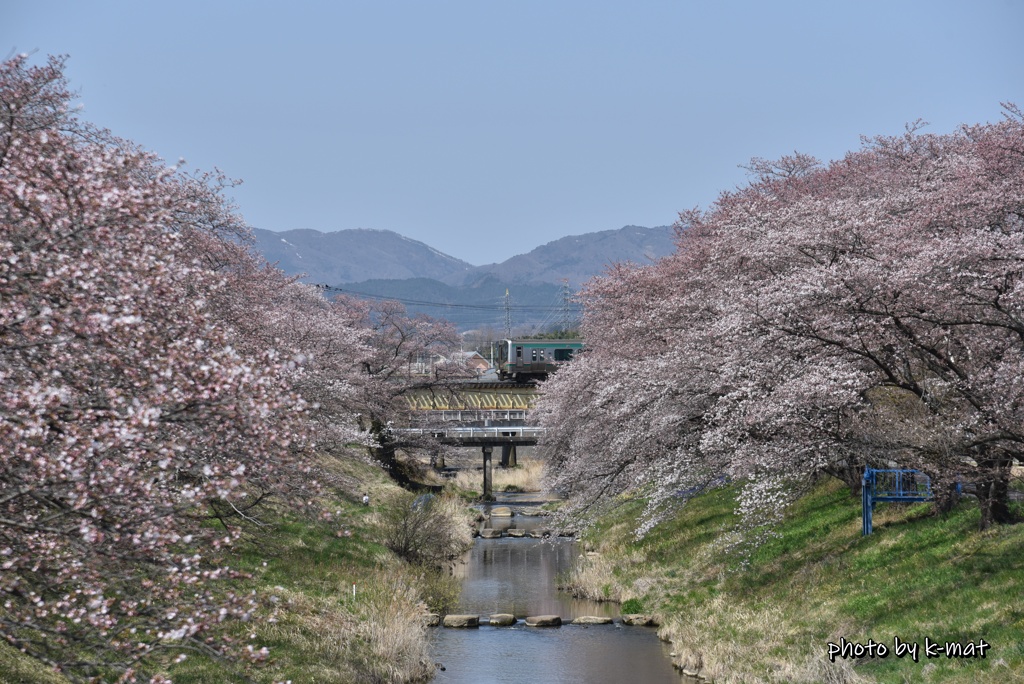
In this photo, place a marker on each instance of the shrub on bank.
(427, 530)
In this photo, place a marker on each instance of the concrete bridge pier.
(508, 456)
(488, 493)
(437, 460)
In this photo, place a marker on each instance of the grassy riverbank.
(302, 572)
(918, 577)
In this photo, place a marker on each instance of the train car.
(528, 360)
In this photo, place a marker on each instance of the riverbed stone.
(592, 620)
(503, 619)
(461, 621)
(544, 621)
(433, 620)
(490, 533)
(639, 619)
(501, 512)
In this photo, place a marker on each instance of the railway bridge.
(482, 414)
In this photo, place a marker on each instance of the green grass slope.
(770, 616)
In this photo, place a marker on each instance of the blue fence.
(891, 485)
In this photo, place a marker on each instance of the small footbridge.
(891, 485)
(488, 415)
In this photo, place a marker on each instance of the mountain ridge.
(577, 258)
(382, 264)
(353, 254)
(358, 254)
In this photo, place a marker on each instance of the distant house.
(424, 364)
(474, 362)
(427, 365)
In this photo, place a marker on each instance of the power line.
(474, 307)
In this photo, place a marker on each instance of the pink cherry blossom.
(823, 318)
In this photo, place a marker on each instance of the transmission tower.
(508, 316)
(566, 321)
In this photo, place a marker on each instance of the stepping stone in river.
(459, 621)
(501, 512)
(592, 620)
(503, 620)
(544, 621)
(490, 533)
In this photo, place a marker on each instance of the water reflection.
(519, 576)
(563, 655)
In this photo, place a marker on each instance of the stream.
(518, 576)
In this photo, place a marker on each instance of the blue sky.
(487, 128)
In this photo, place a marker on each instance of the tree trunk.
(946, 496)
(852, 476)
(993, 489)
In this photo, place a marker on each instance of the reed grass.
(385, 644)
(524, 477)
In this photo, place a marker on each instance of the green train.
(527, 360)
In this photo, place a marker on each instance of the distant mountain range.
(382, 263)
(576, 258)
(350, 256)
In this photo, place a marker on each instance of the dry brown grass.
(389, 640)
(377, 636)
(525, 477)
(716, 640)
(594, 577)
(599, 576)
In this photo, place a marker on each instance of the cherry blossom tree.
(321, 343)
(890, 278)
(351, 360)
(405, 354)
(820, 319)
(125, 409)
(630, 412)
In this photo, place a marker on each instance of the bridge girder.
(473, 396)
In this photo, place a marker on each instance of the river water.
(518, 576)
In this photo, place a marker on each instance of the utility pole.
(565, 305)
(508, 316)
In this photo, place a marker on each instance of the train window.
(563, 354)
(534, 357)
(519, 354)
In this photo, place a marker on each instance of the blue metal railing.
(891, 485)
